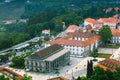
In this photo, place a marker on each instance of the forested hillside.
(24, 8)
(46, 14)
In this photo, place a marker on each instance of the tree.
(105, 34)
(117, 73)
(89, 69)
(79, 78)
(26, 77)
(2, 77)
(46, 38)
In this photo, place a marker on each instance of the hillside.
(23, 8)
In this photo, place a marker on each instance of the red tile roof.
(90, 20)
(115, 32)
(109, 64)
(72, 27)
(83, 34)
(110, 20)
(74, 42)
(19, 77)
(46, 31)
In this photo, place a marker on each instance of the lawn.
(102, 55)
(111, 46)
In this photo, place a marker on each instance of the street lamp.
(72, 73)
(76, 68)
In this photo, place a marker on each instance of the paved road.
(18, 45)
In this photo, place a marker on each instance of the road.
(18, 45)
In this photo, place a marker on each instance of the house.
(45, 33)
(48, 59)
(58, 78)
(109, 64)
(72, 29)
(108, 10)
(93, 23)
(80, 43)
(116, 36)
(10, 74)
(116, 8)
(111, 21)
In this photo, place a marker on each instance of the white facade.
(115, 39)
(80, 51)
(93, 25)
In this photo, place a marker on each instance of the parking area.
(77, 67)
(106, 50)
(44, 76)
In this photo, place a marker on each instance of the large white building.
(116, 36)
(80, 43)
(48, 59)
(112, 22)
(93, 23)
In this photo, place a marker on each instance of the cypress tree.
(78, 78)
(89, 69)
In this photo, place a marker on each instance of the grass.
(111, 46)
(102, 55)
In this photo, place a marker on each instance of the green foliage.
(89, 69)
(79, 78)
(46, 38)
(18, 61)
(2, 77)
(103, 55)
(105, 34)
(5, 57)
(95, 53)
(26, 77)
(100, 74)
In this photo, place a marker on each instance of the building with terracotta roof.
(48, 59)
(108, 10)
(58, 78)
(80, 44)
(10, 74)
(93, 23)
(45, 33)
(111, 21)
(72, 29)
(116, 36)
(109, 64)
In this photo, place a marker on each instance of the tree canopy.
(105, 34)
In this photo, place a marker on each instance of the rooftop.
(110, 63)
(46, 52)
(90, 20)
(56, 55)
(74, 42)
(83, 34)
(72, 27)
(6, 70)
(45, 31)
(110, 19)
(115, 32)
